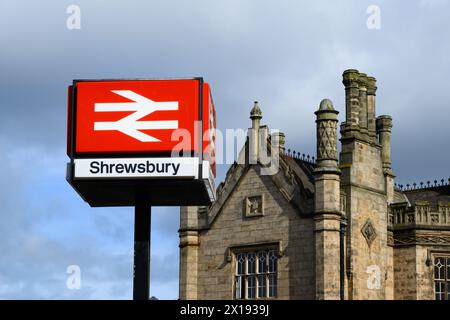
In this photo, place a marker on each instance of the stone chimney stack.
(384, 128)
(360, 106)
(363, 116)
(368, 187)
(351, 80)
(371, 107)
(327, 214)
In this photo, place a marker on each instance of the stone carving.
(289, 174)
(434, 218)
(421, 239)
(390, 238)
(369, 232)
(327, 146)
(418, 214)
(254, 206)
(390, 215)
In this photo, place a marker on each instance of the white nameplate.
(136, 168)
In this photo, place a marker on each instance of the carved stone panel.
(369, 232)
(327, 140)
(254, 206)
(422, 239)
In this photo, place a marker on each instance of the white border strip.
(136, 168)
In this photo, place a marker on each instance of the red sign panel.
(141, 116)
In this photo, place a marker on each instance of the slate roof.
(303, 169)
(433, 195)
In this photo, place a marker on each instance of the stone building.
(335, 227)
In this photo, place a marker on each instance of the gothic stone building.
(335, 227)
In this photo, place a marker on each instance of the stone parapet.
(419, 214)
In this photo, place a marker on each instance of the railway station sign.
(152, 137)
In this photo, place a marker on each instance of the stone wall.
(413, 262)
(405, 273)
(425, 273)
(255, 210)
(368, 254)
(389, 284)
(280, 223)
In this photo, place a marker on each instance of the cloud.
(289, 55)
(432, 4)
(45, 228)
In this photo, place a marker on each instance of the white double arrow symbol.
(130, 125)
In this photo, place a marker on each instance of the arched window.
(442, 278)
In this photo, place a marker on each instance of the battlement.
(422, 213)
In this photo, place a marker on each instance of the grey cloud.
(35, 253)
(287, 54)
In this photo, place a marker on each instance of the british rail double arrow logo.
(130, 125)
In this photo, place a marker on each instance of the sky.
(288, 55)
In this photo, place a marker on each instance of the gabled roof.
(303, 169)
(294, 180)
(400, 197)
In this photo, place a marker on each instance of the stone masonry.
(339, 225)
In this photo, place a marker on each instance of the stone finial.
(326, 109)
(326, 104)
(327, 155)
(254, 133)
(256, 112)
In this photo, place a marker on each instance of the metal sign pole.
(142, 227)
